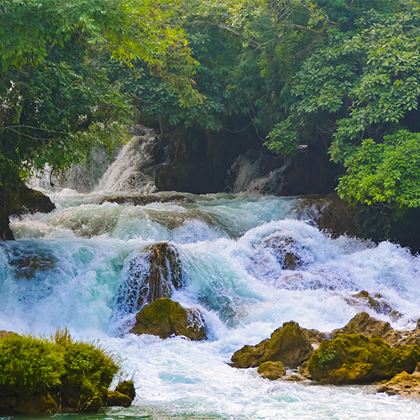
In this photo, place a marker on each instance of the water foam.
(233, 273)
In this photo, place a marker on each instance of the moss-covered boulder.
(363, 323)
(166, 318)
(355, 358)
(116, 399)
(404, 384)
(271, 370)
(127, 388)
(287, 344)
(40, 376)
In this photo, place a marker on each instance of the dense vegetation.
(341, 73)
(59, 372)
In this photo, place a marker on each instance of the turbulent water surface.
(69, 269)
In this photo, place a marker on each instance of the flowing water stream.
(70, 268)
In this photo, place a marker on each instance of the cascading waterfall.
(249, 173)
(84, 267)
(133, 168)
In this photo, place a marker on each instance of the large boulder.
(404, 384)
(123, 395)
(166, 318)
(287, 344)
(363, 323)
(355, 358)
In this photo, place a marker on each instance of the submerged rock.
(166, 318)
(375, 302)
(285, 249)
(26, 265)
(271, 370)
(355, 358)
(363, 323)
(287, 344)
(404, 384)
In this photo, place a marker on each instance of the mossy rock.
(363, 323)
(404, 384)
(355, 358)
(127, 388)
(271, 370)
(165, 318)
(287, 344)
(116, 399)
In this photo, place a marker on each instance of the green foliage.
(58, 97)
(384, 173)
(79, 373)
(28, 363)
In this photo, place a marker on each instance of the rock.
(271, 370)
(304, 370)
(404, 383)
(295, 377)
(287, 344)
(165, 318)
(355, 358)
(375, 302)
(363, 323)
(36, 404)
(151, 275)
(116, 399)
(315, 337)
(127, 388)
(26, 265)
(165, 272)
(412, 337)
(285, 249)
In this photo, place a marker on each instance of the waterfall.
(133, 169)
(249, 173)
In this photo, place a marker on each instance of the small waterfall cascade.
(133, 169)
(249, 173)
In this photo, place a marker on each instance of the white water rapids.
(81, 251)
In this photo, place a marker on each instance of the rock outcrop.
(166, 318)
(287, 344)
(272, 370)
(363, 323)
(374, 301)
(405, 384)
(355, 358)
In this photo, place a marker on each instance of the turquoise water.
(82, 251)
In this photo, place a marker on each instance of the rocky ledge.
(364, 351)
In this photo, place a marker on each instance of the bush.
(76, 374)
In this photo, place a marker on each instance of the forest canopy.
(341, 73)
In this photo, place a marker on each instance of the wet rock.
(363, 323)
(27, 264)
(116, 399)
(304, 370)
(150, 275)
(285, 249)
(294, 377)
(375, 302)
(404, 384)
(127, 388)
(271, 370)
(355, 358)
(287, 344)
(315, 337)
(166, 318)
